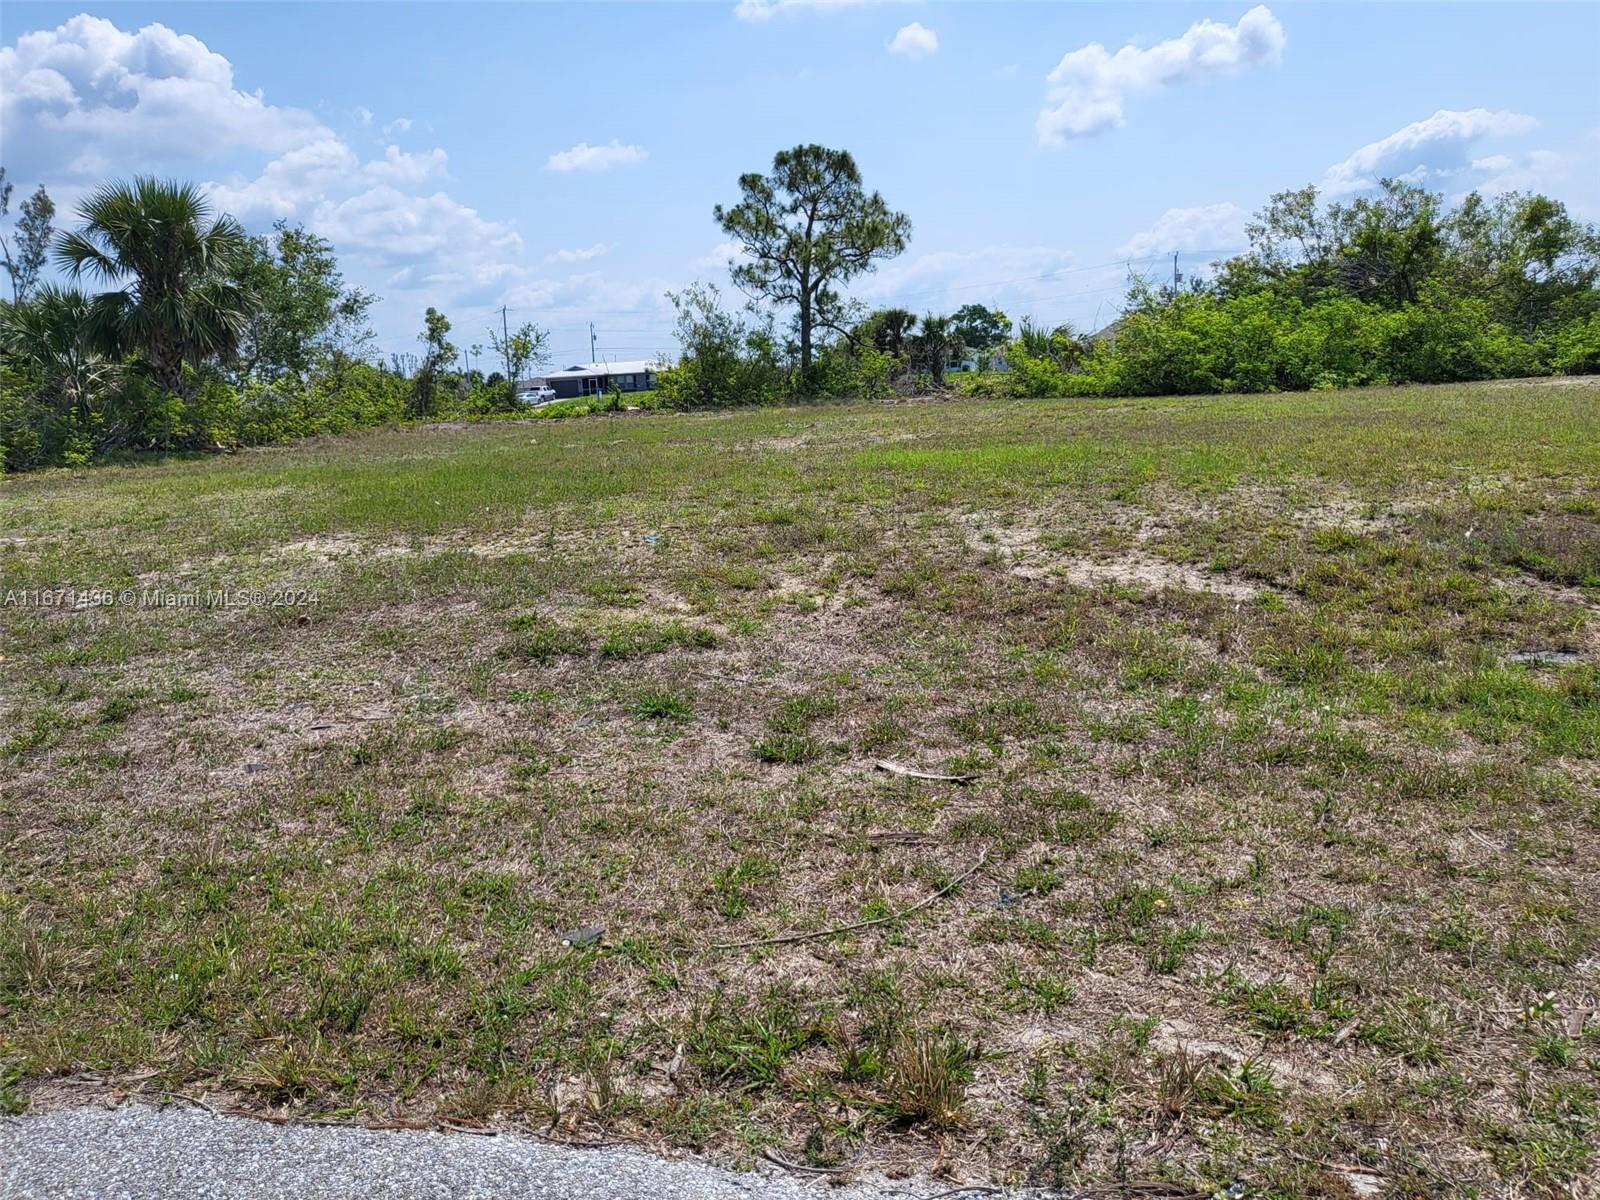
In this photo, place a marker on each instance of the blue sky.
(563, 159)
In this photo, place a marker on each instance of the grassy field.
(1274, 859)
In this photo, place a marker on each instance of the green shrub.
(1443, 340)
(30, 433)
(1574, 348)
(844, 372)
(336, 398)
(1166, 350)
(726, 361)
(1261, 341)
(1337, 343)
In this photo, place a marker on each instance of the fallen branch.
(269, 1118)
(894, 768)
(195, 1100)
(906, 837)
(822, 933)
(475, 1130)
(772, 1156)
(581, 1143)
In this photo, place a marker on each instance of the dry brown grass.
(1289, 878)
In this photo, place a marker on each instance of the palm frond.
(76, 254)
(178, 306)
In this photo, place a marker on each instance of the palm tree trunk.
(166, 364)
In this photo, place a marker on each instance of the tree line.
(1396, 287)
(176, 330)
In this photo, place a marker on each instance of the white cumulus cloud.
(587, 292)
(420, 237)
(398, 167)
(584, 157)
(290, 182)
(87, 98)
(915, 40)
(1090, 85)
(579, 254)
(1208, 227)
(1568, 175)
(723, 255)
(1002, 273)
(1436, 145)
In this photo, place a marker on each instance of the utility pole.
(591, 342)
(505, 344)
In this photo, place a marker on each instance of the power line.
(963, 287)
(575, 351)
(939, 291)
(1118, 262)
(1122, 284)
(1110, 287)
(890, 297)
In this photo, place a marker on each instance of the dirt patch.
(798, 441)
(1560, 593)
(1022, 548)
(1175, 1034)
(332, 548)
(1548, 381)
(1348, 514)
(1138, 569)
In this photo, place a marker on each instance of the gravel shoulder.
(137, 1151)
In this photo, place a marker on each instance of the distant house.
(989, 360)
(1107, 333)
(594, 379)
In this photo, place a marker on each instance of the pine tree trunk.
(805, 339)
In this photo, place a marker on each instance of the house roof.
(635, 367)
(1108, 332)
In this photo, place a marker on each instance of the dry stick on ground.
(269, 1118)
(476, 1131)
(829, 932)
(773, 1156)
(894, 768)
(196, 1100)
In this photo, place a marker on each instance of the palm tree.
(1062, 345)
(47, 337)
(176, 305)
(891, 329)
(935, 347)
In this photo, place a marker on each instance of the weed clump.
(926, 1078)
